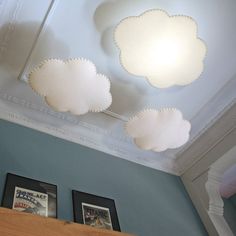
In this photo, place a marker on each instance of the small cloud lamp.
(71, 86)
(158, 130)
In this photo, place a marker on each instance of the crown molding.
(12, 108)
(216, 132)
(64, 117)
(218, 105)
(119, 145)
(223, 120)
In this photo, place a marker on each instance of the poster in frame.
(96, 211)
(29, 195)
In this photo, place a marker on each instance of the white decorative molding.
(170, 165)
(116, 149)
(62, 116)
(218, 105)
(216, 204)
(88, 135)
(224, 113)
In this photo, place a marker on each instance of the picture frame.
(96, 211)
(29, 195)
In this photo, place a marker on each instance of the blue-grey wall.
(230, 212)
(148, 202)
(233, 200)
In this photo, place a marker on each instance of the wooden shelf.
(14, 223)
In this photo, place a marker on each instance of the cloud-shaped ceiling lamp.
(164, 49)
(158, 130)
(71, 85)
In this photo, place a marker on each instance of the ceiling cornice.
(12, 108)
(214, 133)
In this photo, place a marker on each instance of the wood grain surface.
(14, 223)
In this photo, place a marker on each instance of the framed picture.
(29, 195)
(95, 211)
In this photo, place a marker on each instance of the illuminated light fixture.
(72, 85)
(159, 130)
(164, 49)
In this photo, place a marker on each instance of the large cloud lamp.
(159, 130)
(72, 85)
(164, 49)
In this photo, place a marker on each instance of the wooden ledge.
(14, 223)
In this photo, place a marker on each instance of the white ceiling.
(35, 30)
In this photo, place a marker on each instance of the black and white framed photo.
(29, 195)
(95, 211)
